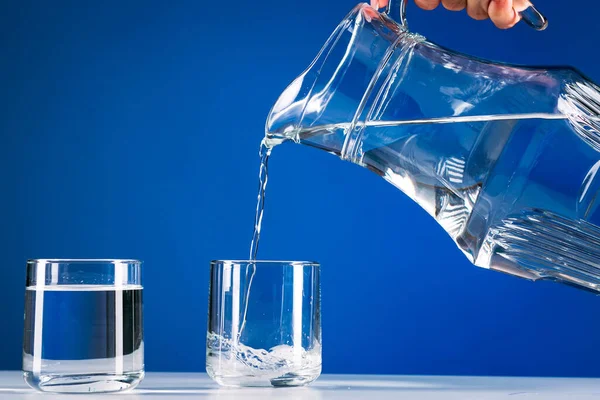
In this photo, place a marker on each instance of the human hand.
(503, 13)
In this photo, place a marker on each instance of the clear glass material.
(264, 323)
(83, 326)
(504, 157)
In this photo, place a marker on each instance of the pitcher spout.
(322, 106)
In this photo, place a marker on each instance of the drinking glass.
(264, 323)
(83, 325)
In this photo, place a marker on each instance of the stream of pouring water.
(263, 176)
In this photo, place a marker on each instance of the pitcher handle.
(531, 16)
(534, 18)
(397, 8)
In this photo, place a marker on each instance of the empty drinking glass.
(264, 323)
(83, 325)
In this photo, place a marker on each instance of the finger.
(428, 4)
(454, 5)
(521, 5)
(478, 9)
(503, 14)
(379, 4)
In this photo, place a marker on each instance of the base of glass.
(83, 383)
(287, 380)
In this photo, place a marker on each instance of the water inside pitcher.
(504, 157)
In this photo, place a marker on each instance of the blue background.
(131, 129)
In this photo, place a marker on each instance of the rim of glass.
(268, 262)
(82, 261)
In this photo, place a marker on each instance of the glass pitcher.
(504, 157)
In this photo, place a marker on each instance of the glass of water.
(264, 323)
(83, 325)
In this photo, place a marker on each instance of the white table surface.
(179, 386)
